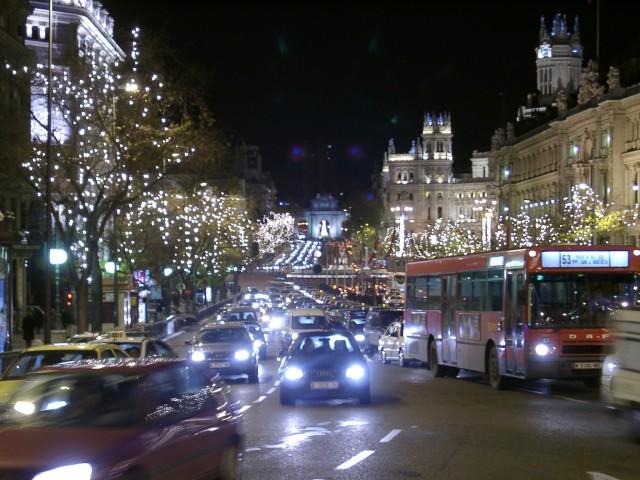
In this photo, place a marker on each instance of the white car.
(391, 344)
(302, 320)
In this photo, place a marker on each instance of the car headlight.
(80, 471)
(293, 373)
(241, 355)
(266, 318)
(355, 372)
(257, 343)
(542, 350)
(294, 335)
(611, 367)
(275, 323)
(197, 356)
(359, 337)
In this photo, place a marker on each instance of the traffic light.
(69, 298)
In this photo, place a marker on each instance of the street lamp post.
(47, 179)
(401, 219)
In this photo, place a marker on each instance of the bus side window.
(494, 291)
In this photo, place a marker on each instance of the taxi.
(40, 356)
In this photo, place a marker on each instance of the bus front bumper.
(564, 367)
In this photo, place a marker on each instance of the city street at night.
(421, 427)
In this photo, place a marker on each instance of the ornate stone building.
(596, 142)
(418, 187)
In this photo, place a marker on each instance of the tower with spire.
(558, 58)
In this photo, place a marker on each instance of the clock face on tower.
(544, 51)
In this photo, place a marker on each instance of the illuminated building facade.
(419, 188)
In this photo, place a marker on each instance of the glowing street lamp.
(58, 256)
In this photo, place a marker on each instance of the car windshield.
(133, 349)
(579, 299)
(30, 361)
(357, 324)
(72, 401)
(385, 318)
(224, 335)
(328, 343)
(308, 321)
(358, 314)
(241, 316)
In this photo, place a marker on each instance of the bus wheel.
(438, 370)
(497, 381)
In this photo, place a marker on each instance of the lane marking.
(390, 436)
(271, 390)
(601, 476)
(571, 399)
(355, 460)
(244, 408)
(260, 398)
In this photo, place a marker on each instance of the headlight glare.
(197, 356)
(80, 471)
(294, 335)
(541, 350)
(359, 337)
(293, 373)
(355, 372)
(241, 355)
(275, 323)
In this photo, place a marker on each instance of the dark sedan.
(324, 365)
(147, 419)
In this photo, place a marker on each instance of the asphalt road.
(421, 427)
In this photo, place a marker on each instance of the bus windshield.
(579, 299)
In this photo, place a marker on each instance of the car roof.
(241, 308)
(117, 341)
(223, 325)
(71, 346)
(300, 312)
(127, 366)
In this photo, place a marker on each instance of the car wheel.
(253, 375)
(230, 466)
(286, 399)
(383, 357)
(437, 370)
(365, 397)
(403, 362)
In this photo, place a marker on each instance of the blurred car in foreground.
(150, 419)
(377, 322)
(621, 372)
(44, 355)
(227, 349)
(324, 365)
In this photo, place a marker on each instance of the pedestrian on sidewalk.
(27, 329)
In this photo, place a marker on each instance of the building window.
(439, 212)
(439, 196)
(428, 194)
(411, 196)
(428, 213)
(439, 147)
(429, 148)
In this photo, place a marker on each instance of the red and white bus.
(530, 313)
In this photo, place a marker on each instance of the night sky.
(296, 78)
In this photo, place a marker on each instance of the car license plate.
(587, 365)
(324, 385)
(219, 364)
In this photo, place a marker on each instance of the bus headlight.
(542, 350)
(80, 471)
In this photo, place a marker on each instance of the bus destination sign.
(585, 259)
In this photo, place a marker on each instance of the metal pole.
(47, 195)
(116, 293)
(598, 32)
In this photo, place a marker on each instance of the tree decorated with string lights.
(274, 230)
(201, 233)
(111, 134)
